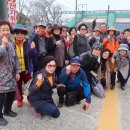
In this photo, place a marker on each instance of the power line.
(70, 4)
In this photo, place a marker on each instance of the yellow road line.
(109, 116)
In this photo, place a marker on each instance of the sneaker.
(3, 122)
(10, 113)
(19, 103)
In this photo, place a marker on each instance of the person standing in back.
(23, 53)
(9, 73)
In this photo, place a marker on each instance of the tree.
(22, 12)
(45, 11)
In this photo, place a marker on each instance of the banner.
(12, 14)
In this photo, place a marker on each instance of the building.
(118, 18)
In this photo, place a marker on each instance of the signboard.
(11, 5)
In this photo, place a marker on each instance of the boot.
(3, 121)
(61, 102)
(123, 85)
(112, 86)
(10, 113)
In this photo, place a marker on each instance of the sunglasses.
(20, 32)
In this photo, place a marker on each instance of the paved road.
(71, 118)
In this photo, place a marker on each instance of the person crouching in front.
(40, 90)
(70, 85)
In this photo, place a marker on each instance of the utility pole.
(108, 14)
(54, 14)
(19, 7)
(83, 9)
(75, 12)
(3, 10)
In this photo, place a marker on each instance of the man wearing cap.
(22, 51)
(38, 46)
(73, 82)
(121, 58)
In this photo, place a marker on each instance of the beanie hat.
(20, 27)
(97, 45)
(75, 60)
(123, 47)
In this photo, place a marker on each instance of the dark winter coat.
(44, 92)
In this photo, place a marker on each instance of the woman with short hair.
(9, 72)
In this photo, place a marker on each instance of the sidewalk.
(71, 118)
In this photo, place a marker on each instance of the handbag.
(97, 88)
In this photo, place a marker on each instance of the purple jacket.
(9, 67)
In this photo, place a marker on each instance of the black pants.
(113, 78)
(121, 79)
(103, 82)
(6, 101)
(58, 70)
(39, 64)
(63, 91)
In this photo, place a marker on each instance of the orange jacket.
(112, 46)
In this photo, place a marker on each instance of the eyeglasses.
(51, 66)
(20, 32)
(83, 29)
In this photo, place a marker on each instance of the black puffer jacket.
(89, 63)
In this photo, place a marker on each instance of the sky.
(95, 4)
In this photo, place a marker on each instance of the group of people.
(68, 59)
